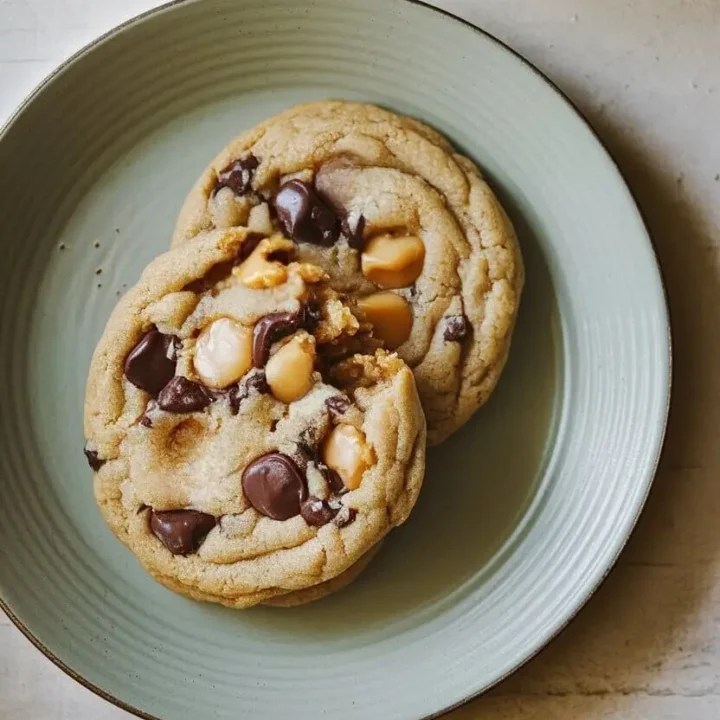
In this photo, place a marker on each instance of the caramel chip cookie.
(241, 448)
(406, 229)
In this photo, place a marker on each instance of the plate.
(524, 511)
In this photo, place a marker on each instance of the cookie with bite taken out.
(249, 441)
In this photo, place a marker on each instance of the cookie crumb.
(98, 271)
(96, 244)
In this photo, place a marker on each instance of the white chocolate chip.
(223, 353)
(289, 372)
(390, 316)
(346, 451)
(393, 262)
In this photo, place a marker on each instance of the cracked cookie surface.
(403, 225)
(240, 448)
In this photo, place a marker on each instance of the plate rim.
(562, 96)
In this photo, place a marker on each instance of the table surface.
(647, 75)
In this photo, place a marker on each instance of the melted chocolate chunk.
(269, 330)
(303, 455)
(456, 328)
(151, 363)
(333, 479)
(93, 459)
(181, 395)
(353, 231)
(237, 393)
(181, 531)
(345, 516)
(146, 420)
(257, 383)
(304, 216)
(337, 405)
(274, 486)
(317, 512)
(306, 446)
(238, 175)
(311, 316)
(252, 240)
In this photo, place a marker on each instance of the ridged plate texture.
(524, 510)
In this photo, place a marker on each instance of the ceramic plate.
(524, 510)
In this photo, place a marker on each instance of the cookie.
(241, 447)
(404, 226)
(318, 592)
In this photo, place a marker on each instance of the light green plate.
(524, 511)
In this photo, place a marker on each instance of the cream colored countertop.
(647, 75)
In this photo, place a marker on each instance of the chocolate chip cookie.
(249, 441)
(406, 229)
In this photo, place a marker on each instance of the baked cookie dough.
(404, 226)
(241, 448)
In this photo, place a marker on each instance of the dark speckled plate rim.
(563, 97)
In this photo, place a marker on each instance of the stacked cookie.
(256, 408)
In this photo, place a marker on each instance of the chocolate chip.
(146, 420)
(151, 363)
(304, 216)
(269, 330)
(238, 175)
(337, 405)
(456, 328)
(353, 231)
(303, 455)
(311, 316)
(237, 393)
(181, 531)
(235, 396)
(274, 486)
(93, 459)
(257, 383)
(333, 479)
(305, 447)
(252, 240)
(181, 395)
(317, 512)
(345, 516)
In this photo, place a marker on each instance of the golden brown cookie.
(241, 450)
(404, 226)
